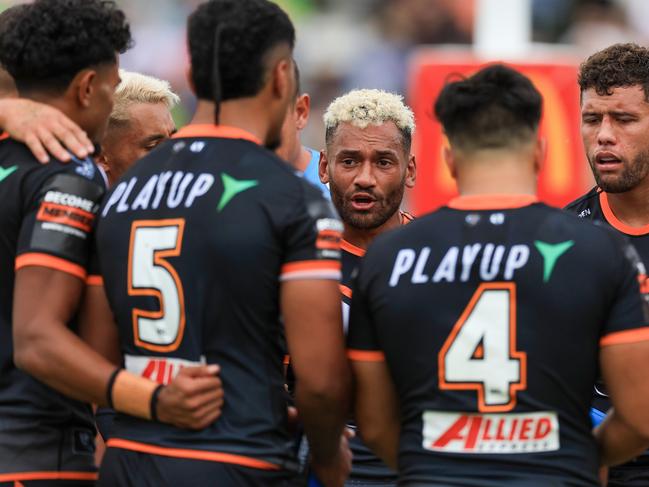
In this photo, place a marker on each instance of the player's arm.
(376, 405)
(624, 433)
(313, 326)
(376, 408)
(624, 361)
(43, 129)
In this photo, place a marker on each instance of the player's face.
(367, 171)
(103, 91)
(614, 129)
(148, 125)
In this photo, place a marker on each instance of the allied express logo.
(490, 433)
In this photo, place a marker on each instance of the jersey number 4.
(480, 353)
(150, 274)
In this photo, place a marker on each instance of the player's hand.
(193, 399)
(43, 129)
(337, 469)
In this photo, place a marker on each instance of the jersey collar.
(218, 131)
(492, 201)
(617, 224)
(359, 252)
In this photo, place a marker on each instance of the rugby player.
(140, 120)
(303, 159)
(201, 245)
(46, 432)
(476, 331)
(367, 164)
(614, 122)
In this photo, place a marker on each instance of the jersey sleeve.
(362, 342)
(60, 210)
(312, 239)
(628, 320)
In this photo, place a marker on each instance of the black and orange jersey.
(490, 313)
(594, 206)
(366, 466)
(193, 245)
(46, 217)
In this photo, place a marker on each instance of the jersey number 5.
(150, 274)
(480, 353)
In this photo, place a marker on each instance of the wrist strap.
(154, 403)
(132, 394)
(109, 386)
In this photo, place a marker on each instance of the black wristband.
(154, 403)
(109, 387)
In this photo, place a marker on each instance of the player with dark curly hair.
(614, 84)
(62, 53)
(229, 239)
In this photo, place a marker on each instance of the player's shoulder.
(16, 157)
(585, 205)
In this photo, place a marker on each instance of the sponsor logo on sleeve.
(490, 433)
(65, 209)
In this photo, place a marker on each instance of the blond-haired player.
(140, 120)
(368, 164)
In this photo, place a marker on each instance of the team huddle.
(228, 307)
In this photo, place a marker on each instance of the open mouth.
(363, 201)
(607, 160)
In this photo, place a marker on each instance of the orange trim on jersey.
(210, 456)
(4, 135)
(159, 259)
(218, 131)
(19, 476)
(346, 291)
(51, 262)
(492, 201)
(626, 336)
(617, 224)
(94, 280)
(311, 265)
(287, 359)
(365, 355)
(351, 248)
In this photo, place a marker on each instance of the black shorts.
(126, 468)
(46, 455)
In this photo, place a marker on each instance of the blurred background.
(408, 46)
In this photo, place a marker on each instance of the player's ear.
(302, 110)
(103, 162)
(449, 159)
(411, 172)
(83, 86)
(540, 153)
(190, 79)
(281, 84)
(323, 168)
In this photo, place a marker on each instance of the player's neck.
(362, 237)
(498, 176)
(631, 207)
(242, 113)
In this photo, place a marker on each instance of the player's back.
(46, 217)
(191, 244)
(491, 321)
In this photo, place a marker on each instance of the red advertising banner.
(565, 174)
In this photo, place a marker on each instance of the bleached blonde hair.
(370, 107)
(140, 88)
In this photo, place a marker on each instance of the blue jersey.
(311, 173)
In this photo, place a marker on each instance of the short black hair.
(250, 29)
(494, 108)
(48, 42)
(617, 66)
